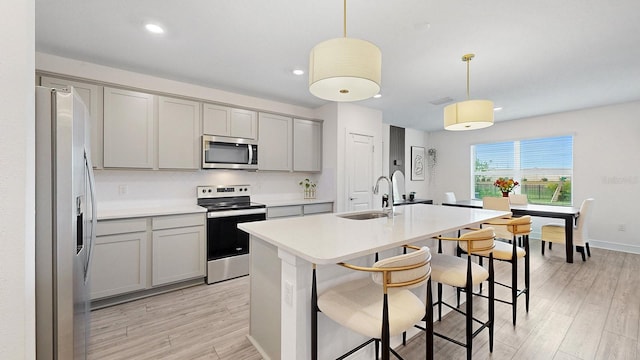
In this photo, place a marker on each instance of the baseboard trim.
(258, 347)
(633, 249)
(137, 295)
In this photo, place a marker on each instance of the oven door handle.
(229, 213)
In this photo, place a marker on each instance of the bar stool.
(464, 274)
(379, 306)
(519, 228)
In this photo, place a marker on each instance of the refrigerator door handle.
(94, 214)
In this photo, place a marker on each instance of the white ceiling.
(532, 57)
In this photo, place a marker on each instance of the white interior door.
(359, 170)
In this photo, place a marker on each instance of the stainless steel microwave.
(219, 152)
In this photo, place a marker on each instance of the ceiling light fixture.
(345, 69)
(298, 72)
(469, 114)
(154, 28)
(377, 96)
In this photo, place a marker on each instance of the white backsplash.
(180, 186)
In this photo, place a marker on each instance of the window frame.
(519, 173)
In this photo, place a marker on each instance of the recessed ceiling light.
(298, 72)
(377, 96)
(154, 28)
(497, 108)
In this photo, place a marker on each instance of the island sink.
(365, 215)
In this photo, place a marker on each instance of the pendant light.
(469, 114)
(345, 69)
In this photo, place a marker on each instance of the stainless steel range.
(227, 246)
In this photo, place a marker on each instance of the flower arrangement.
(505, 185)
(309, 188)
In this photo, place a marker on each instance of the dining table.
(568, 213)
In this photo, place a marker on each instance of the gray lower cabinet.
(142, 253)
(178, 253)
(299, 210)
(119, 263)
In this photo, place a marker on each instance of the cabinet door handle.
(352, 198)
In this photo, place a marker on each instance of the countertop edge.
(357, 254)
(150, 211)
(293, 202)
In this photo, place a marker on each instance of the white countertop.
(329, 239)
(130, 209)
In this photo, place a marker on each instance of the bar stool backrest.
(520, 225)
(478, 240)
(414, 269)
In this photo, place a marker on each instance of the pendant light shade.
(469, 114)
(345, 69)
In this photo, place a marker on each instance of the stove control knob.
(209, 190)
(204, 190)
(245, 189)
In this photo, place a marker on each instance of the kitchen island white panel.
(292, 245)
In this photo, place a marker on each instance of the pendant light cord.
(344, 30)
(468, 60)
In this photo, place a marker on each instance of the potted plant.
(505, 185)
(309, 188)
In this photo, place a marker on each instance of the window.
(543, 167)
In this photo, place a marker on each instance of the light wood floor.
(582, 310)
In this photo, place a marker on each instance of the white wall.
(606, 164)
(352, 117)
(180, 186)
(413, 137)
(17, 180)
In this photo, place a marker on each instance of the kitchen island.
(282, 254)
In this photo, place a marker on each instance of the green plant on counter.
(309, 188)
(307, 184)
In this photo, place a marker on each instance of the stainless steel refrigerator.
(65, 224)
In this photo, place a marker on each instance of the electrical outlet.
(622, 227)
(123, 190)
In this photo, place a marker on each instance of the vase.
(505, 194)
(310, 193)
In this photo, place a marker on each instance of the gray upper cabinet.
(226, 121)
(307, 145)
(178, 133)
(128, 129)
(275, 142)
(91, 95)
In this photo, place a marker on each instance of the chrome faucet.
(389, 207)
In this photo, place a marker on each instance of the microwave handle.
(250, 154)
